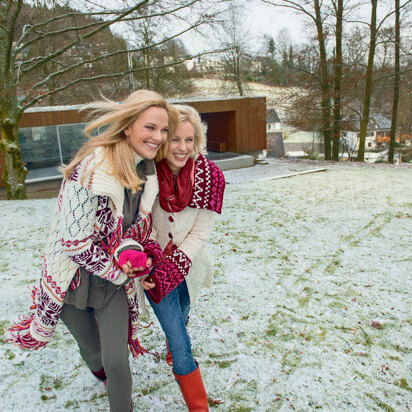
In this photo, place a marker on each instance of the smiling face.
(148, 132)
(181, 147)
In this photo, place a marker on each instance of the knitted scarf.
(175, 192)
(204, 190)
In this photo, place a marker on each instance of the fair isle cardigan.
(86, 231)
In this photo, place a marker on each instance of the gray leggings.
(102, 338)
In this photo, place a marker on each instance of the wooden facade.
(235, 125)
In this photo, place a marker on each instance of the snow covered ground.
(311, 308)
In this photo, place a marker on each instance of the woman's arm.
(173, 268)
(78, 210)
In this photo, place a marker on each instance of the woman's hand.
(137, 272)
(146, 284)
(134, 263)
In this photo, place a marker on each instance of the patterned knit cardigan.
(86, 231)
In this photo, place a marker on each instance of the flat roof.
(81, 106)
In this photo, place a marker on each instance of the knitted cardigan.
(188, 231)
(86, 231)
(191, 230)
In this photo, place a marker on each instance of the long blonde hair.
(117, 117)
(188, 114)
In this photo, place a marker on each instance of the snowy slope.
(311, 308)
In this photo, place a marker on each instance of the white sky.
(262, 19)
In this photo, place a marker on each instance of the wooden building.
(49, 136)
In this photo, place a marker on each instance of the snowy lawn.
(311, 306)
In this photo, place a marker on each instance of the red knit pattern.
(152, 248)
(168, 274)
(208, 187)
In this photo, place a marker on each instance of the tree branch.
(386, 76)
(34, 27)
(290, 5)
(9, 46)
(390, 14)
(159, 14)
(105, 76)
(104, 56)
(85, 36)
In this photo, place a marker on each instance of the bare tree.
(313, 10)
(374, 29)
(15, 67)
(234, 38)
(396, 83)
(368, 81)
(337, 79)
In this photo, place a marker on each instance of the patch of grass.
(218, 355)
(71, 404)
(331, 267)
(57, 384)
(303, 300)
(291, 360)
(286, 270)
(398, 348)
(285, 337)
(272, 330)
(366, 378)
(224, 363)
(96, 396)
(46, 398)
(367, 339)
(9, 354)
(384, 406)
(336, 304)
(403, 383)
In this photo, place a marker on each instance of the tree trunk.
(14, 172)
(368, 85)
(337, 95)
(324, 82)
(396, 83)
(238, 75)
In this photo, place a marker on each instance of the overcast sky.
(262, 19)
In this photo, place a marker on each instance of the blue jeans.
(172, 313)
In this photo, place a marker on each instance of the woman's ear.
(126, 132)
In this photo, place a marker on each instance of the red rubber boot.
(193, 391)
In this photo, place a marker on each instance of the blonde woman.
(190, 195)
(99, 241)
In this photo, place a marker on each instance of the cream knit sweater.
(190, 230)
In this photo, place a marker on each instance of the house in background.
(379, 127)
(274, 134)
(272, 121)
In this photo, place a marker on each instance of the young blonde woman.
(190, 195)
(99, 241)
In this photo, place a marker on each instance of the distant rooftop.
(272, 116)
(377, 121)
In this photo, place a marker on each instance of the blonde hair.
(188, 114)
(117, 117)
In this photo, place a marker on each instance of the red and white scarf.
(199, 184)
